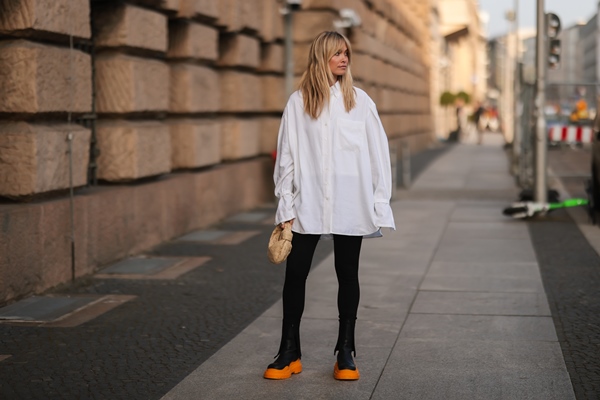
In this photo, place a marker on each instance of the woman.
(332, 177)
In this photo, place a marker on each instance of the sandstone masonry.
(192, 86)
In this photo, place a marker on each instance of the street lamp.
(290, 6)
(540, 192)
(349, 19)
(517, 133)
(509, 91)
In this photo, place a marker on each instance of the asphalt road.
(570, 270)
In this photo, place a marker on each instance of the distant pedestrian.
(477, 115)
(333, 178)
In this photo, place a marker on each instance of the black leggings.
(346, 252)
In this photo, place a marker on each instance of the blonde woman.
(333, 179)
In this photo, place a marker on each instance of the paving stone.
(478, 303)
(39, 308)
(449, 369)
(140, 265)
(203, 236)
(248, 217)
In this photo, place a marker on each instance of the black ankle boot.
(345, 368)
(288, 357)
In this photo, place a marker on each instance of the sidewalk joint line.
(484, 315)
(408, 312)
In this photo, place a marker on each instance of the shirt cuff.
(285, 209)
(384, 218)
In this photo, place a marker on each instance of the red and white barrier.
(570, 134)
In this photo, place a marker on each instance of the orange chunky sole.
(295, 367)
(345, 374)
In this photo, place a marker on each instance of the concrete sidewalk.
(452, 305)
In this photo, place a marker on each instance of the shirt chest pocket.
(350, 134)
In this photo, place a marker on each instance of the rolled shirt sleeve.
(381, 172)
(283, 175)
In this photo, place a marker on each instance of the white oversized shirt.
(333, 174)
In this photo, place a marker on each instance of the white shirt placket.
(327, 161)
(314, 206)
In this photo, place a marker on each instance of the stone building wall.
(169, 110)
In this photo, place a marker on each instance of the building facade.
(459, 48)
(504, 53)
(161, 117)
(576, 77)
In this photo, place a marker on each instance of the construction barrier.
(570, 134)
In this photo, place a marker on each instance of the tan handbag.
(280, 243)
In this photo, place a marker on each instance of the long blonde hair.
(315, 82)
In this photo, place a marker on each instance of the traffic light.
(552, 31)
(552, 25)
(554, 54)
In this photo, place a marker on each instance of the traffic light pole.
(540, 148)
(517, 134)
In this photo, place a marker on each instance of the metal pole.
(70, 144)
(289, 51)
(518, 137)
(541, 192)
(71, 204)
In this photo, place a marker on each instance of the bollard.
(405, 155)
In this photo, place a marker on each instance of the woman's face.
(338, 64)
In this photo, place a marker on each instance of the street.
(460, 302)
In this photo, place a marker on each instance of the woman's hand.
(291, 222)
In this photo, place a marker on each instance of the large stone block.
(116, 221)
(250, 15)
(301, 51)
(386, 100)
(170, 6)
(126, 84)
(268, 134)
(194, 143)
(38, 78)
(240, 138)
(369, 20)
(239, 51)
(271, 21)
(230, 15)
(194, 88)
(362, 67)
(132, 150)
(308, 24)
(382, 29)
(374, 91)
(20, 255)
(240, 91)
(131, 26)
(34, 158)
(273, 91)
(379, 72)
(364, 43)
(192, 40)
(199, 8)
(272, 55)
(39, 17)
